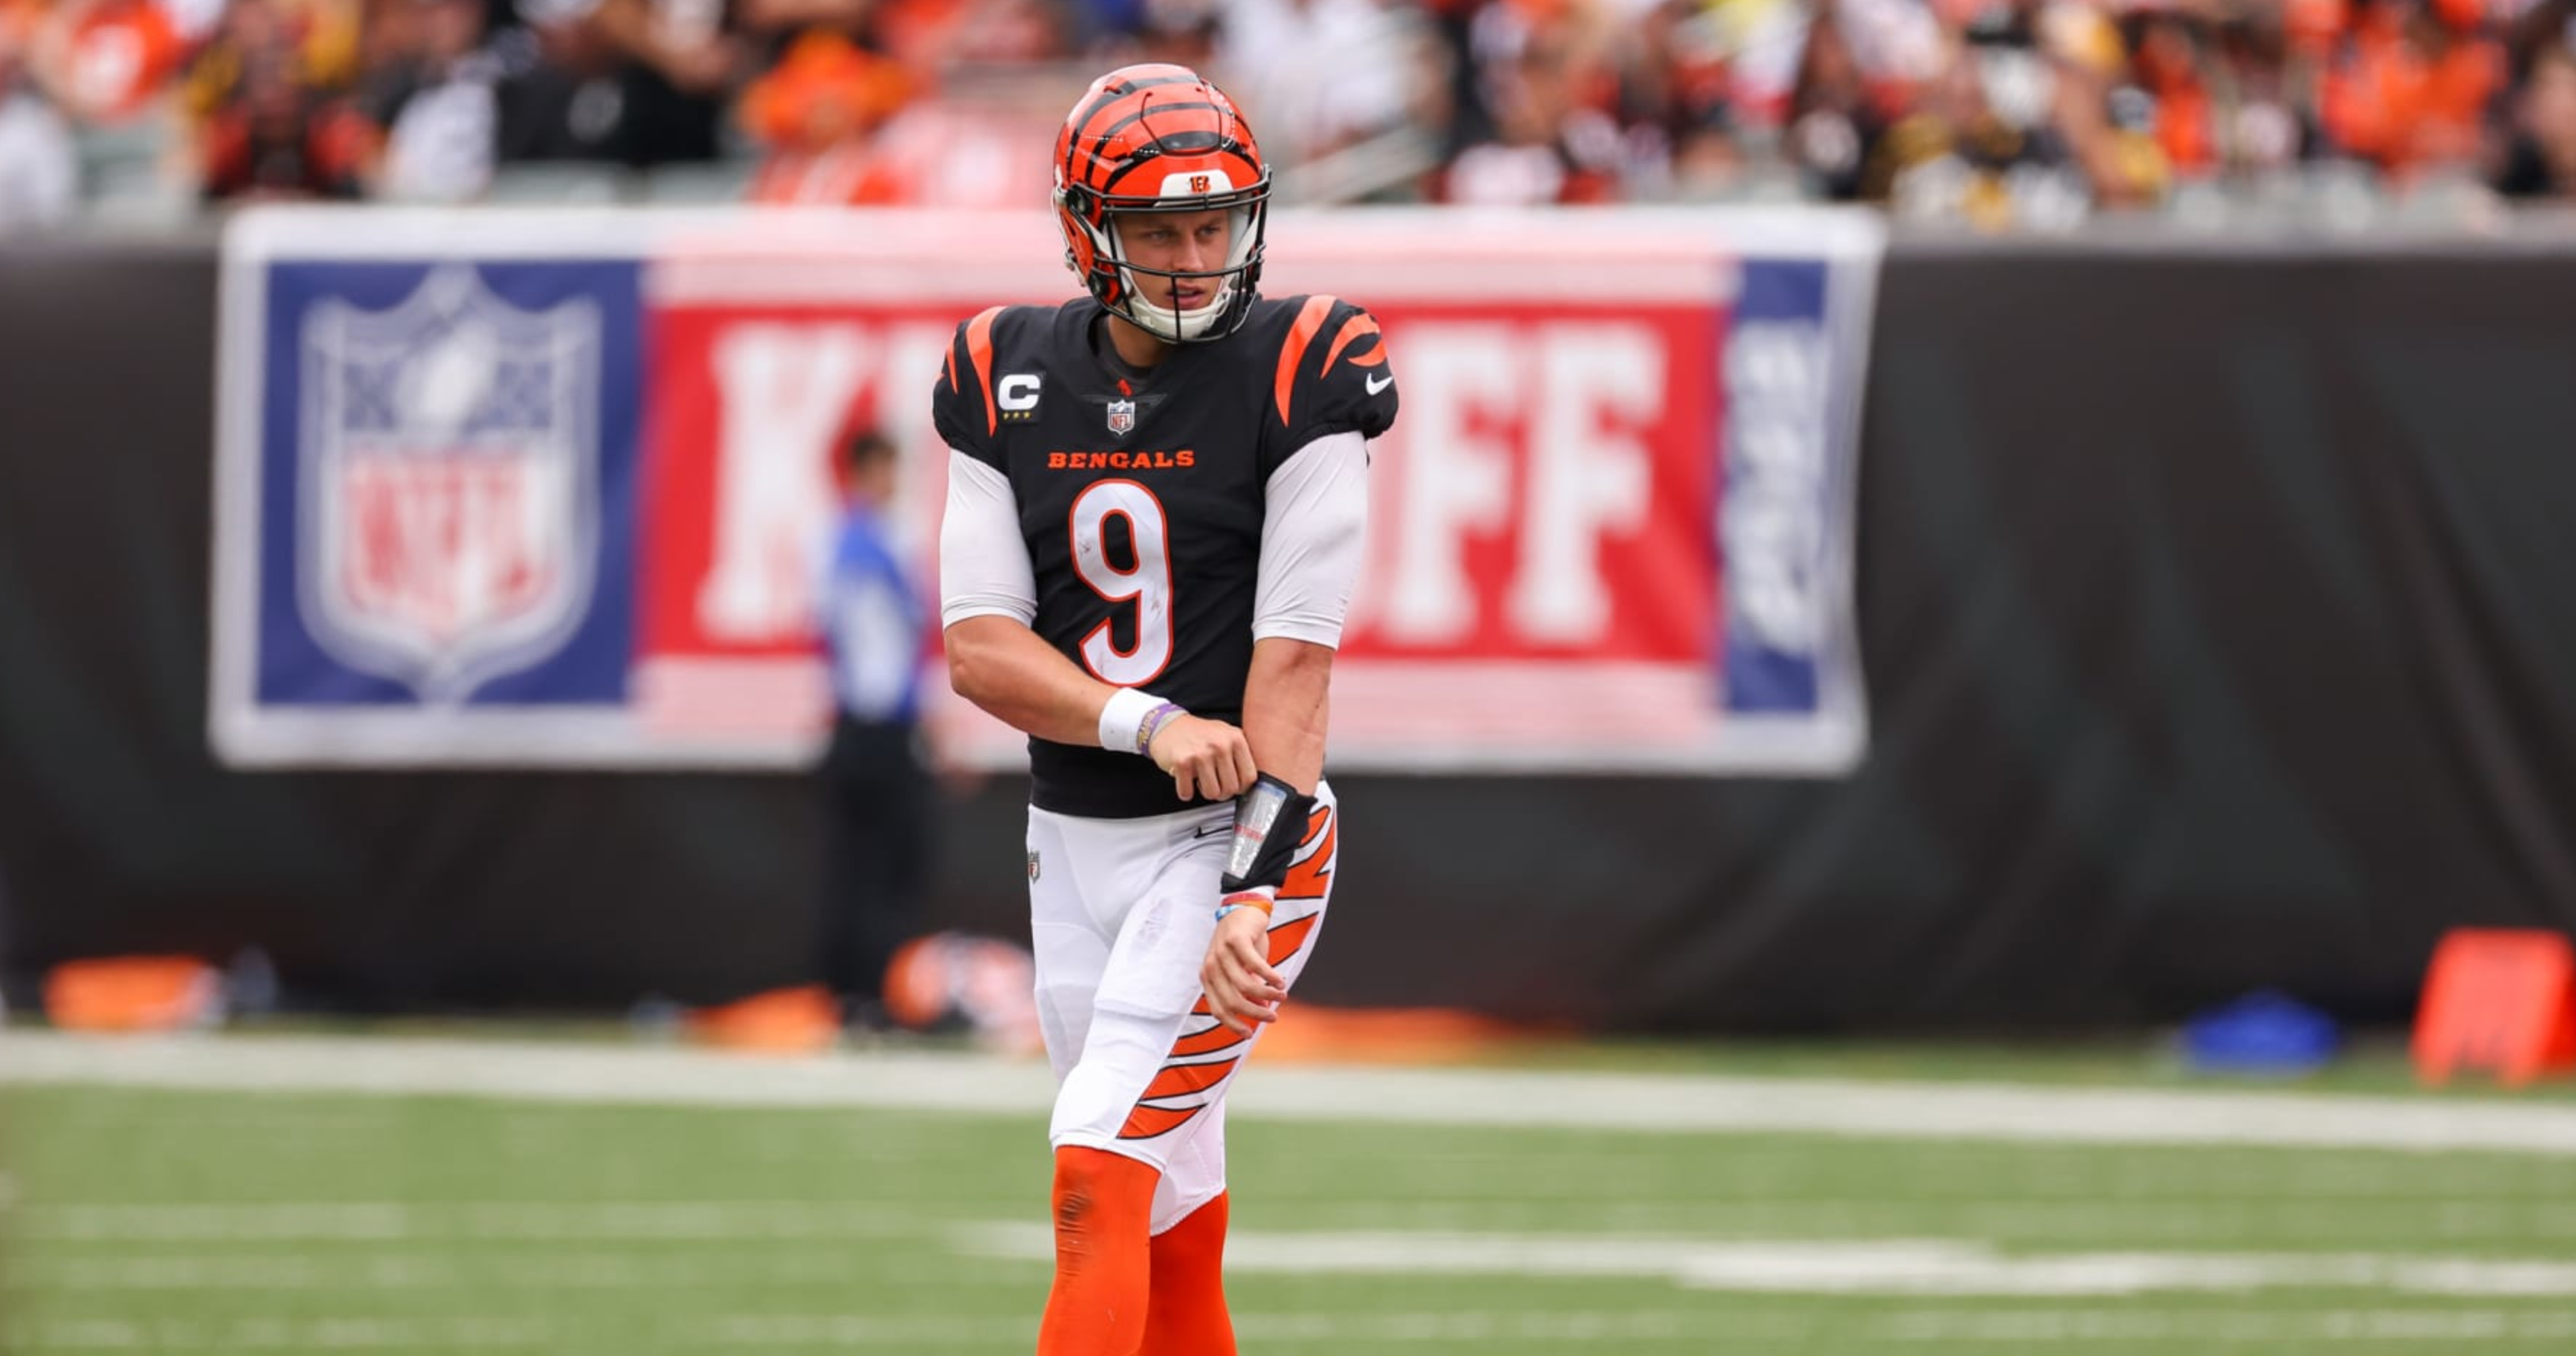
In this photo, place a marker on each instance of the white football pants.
(1121, 911)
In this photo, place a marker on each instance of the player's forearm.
(1285, 707)
(1005, 668)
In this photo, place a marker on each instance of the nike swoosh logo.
(1212, 828)
(1380, 383)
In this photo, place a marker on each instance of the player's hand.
(1208, 759)
(1241, 987)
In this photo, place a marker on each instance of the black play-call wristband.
(1269, 823)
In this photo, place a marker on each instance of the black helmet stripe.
(1155, 147)
(1154, 111)
(1109, 98)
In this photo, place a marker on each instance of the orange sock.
(1104, 1205)
(1186, 1315)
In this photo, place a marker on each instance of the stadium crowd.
(1994, 112)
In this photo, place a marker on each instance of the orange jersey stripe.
(1287, 937)
(1206, 1042)
(1293, 352)
(1308, 879)
(1145, 1122)
(1179, 1079)
(979, 347)
(1352, 329)
(952, 369)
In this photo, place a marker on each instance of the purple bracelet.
(1152, 724)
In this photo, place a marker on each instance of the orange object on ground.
(133, 993)
(920, 982)
(781, 1020)
(1305, 1032)
(2498, 999)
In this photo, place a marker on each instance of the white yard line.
(1661, 1103)
(1809, 1266)
(1699, 1331)
(1964, 1327)
(373, 1270)
(1988, 1330)
(486, 1221)
(356, 1333)
(1628, 1327)
(743, 1332)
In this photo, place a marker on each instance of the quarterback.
(1158, 494)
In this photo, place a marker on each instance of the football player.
(1157, 498)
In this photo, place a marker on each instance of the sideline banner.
(549, 489)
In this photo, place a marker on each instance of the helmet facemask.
(1233, 281)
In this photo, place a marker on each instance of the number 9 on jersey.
(1148, 581)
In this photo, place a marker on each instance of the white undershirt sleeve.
(983, 560)
(1314, 530)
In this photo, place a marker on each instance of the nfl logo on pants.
(1122, 415)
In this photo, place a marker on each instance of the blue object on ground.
(2261, 1033)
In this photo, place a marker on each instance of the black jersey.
(1141, 494)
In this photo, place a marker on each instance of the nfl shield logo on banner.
(1122, 415)
(448, 496)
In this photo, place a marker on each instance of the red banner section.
(1546, 492)
(739, 496)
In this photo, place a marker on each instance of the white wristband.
(1127, 709)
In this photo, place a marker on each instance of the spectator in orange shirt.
(2168, 68)
(2408, 90)
(816, 111)
(108, 60)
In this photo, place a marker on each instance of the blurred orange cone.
(134, 993)
(1307, 1032)
(781, 1021)
(2498, 999)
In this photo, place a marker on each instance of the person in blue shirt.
(876, 779)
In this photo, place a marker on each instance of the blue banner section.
(446, 477)
(1783, 492)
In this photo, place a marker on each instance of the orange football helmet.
(1158, 138)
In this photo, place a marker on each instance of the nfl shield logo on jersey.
(450, 461)
(1122, 415)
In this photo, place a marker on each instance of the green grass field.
(149, 1219)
